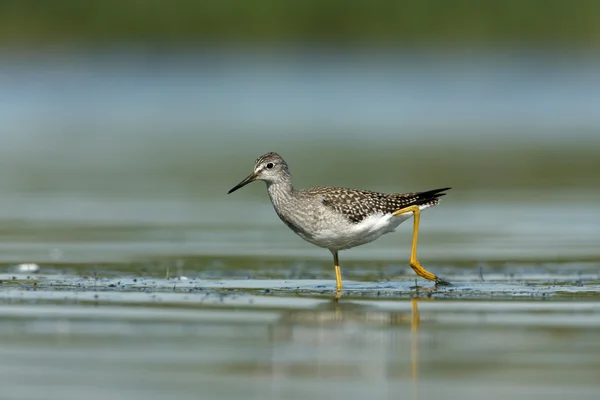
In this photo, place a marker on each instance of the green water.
(126, 272)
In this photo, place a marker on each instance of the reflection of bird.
(380, 341)
(340, 218)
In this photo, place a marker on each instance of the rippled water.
(228, 344)
(127, 272)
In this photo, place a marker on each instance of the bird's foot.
(441, 282)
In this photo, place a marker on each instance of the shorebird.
(338, 218)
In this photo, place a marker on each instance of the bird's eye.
(270, 165)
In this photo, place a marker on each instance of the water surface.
(127, 272)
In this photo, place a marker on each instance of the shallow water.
(259, 339)
(126, 272)
(519, 329)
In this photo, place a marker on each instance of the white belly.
(344, 235)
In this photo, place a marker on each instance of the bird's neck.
(280, 191)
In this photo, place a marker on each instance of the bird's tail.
(427, 198)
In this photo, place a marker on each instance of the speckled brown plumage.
(356, 204)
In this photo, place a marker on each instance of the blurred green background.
(549, 22)
(136, 117)
(483, 81)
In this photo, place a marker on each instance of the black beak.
(249, 178)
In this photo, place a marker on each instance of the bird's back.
(356, 204)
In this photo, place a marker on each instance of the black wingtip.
(435, 193)
(429, 196)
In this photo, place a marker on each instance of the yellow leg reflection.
(414, 262)
(414, 347)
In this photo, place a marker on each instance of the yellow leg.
(414, 263)
(338, 275)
